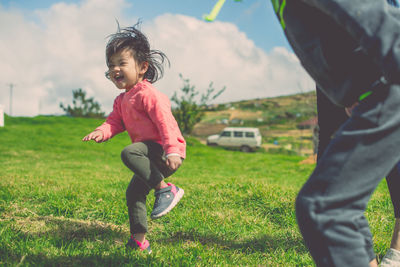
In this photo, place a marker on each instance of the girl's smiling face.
(124, 71)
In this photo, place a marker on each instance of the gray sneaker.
(166, 200)
(391, 259)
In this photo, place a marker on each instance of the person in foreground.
(330, 118)
(351, 49)
(158, 147)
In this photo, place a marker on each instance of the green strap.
(279, 7)
(379, 83)
(275, 4)
(365, 95)
(283, 24)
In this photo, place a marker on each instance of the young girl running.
(157, 148)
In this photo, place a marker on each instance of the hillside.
(278, 118)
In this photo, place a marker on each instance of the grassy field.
(62, 203)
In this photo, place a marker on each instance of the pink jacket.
(145, 113)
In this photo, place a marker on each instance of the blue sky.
(59, 46)
(254, 17)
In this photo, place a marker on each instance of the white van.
(247, 139)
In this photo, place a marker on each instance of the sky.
(51, 47)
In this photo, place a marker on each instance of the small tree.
(188, 111)
(83, 107)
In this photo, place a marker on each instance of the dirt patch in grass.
(245, 115)
(312, 159)
(288, 133)
(208, 129)
(234, 114)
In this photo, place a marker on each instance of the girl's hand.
(96, 135)
(173, 162)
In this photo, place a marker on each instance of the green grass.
(62, 203)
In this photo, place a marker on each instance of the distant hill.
(285, 120)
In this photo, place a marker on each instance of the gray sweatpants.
(330, 206)
(347, 45)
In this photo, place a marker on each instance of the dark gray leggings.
(147, 160)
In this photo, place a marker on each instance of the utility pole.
(11, 95)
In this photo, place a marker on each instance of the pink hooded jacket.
(145, 113)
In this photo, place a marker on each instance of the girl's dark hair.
(134, 40)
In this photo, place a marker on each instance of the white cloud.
(51, 52)
(219, 52)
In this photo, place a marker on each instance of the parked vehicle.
(244, 138)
